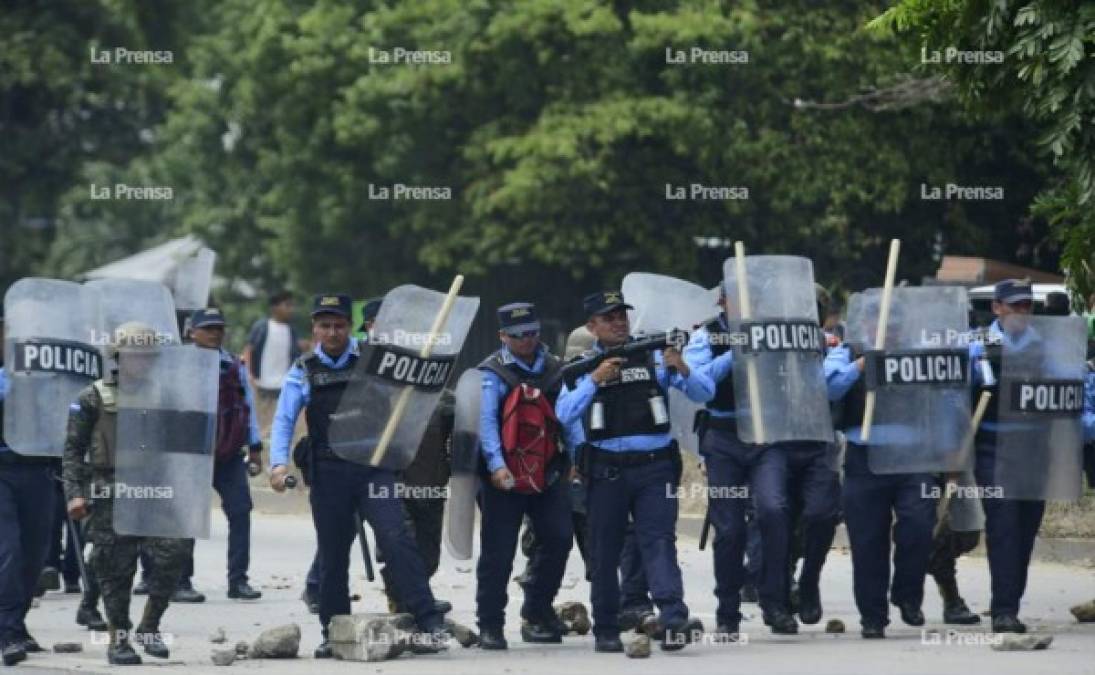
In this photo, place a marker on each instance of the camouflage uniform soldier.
(88, 472)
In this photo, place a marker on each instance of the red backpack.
(530, 433)
(529, 428)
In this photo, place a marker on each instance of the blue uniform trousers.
(871, 504)
(502, 514)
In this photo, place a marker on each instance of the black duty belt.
(326, 454)
(722, 423)
(632, 457)
(12, 457)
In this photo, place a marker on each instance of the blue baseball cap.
(207, 318)
(604, 302)
(333, 303)
(1010, 291)
(518, 317)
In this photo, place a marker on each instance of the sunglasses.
(523, 335)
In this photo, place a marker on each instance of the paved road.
(283, 546)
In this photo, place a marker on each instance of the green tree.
(1046, 73)
(66, 118)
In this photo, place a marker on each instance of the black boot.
(631, 618)
(911, 613)
(152, 643)
(186, 593)
(1008, 623)
(781, 622)
(442, 606)
(12, 652)
(148, 630)
(873, 631)
(323, 651)
(809, 604)
(676, 637)
(120, 652)
(493, 639)
(955, 610)
(241, 590)
(540, 633)
(30, 645)
(90, 617)
(608, 643)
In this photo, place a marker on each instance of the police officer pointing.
(632, 466)
(341, 489)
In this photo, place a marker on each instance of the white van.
(981, 299)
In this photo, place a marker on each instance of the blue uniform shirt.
(1089, 408)
(698, 356)
(572, 405)
(253, 425)
(295, 394)
(494, 391)
(3, 395)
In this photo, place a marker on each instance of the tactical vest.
(104, 437)
(855, 401)
(326, 385)
(625, 402)
(548, 381)
(724, 390)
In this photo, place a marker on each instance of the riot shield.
(167, 418)
(396, 365)
(193, 280)
(50, 352)
(781, 354)
(1039, 441)
(664, 303)
(920, 377)
(125, 300)
(464, 482)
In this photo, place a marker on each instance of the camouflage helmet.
(579, 340)
(133, 334)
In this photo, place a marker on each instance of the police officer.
(310, 595)
(522, 360)
(88, 472)
(732, 465)
(577, 342)
(26, 509)
(424, 504)
(631, 466)
(1010, 524)
(340, 488)
(237, 426)
(870, 502)
(814, 497)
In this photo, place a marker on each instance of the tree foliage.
(1047, 73)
